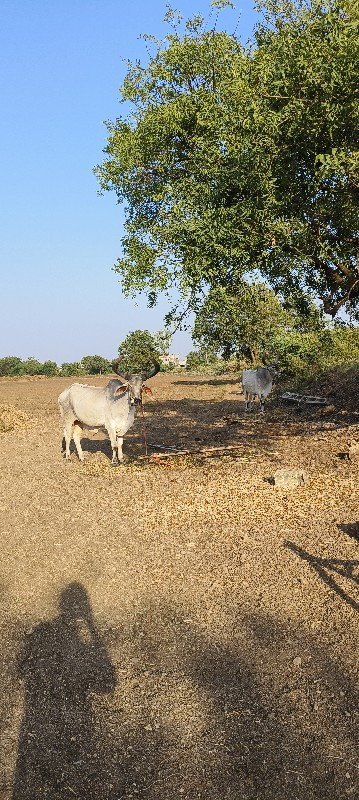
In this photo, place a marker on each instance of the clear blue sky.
(60, 71)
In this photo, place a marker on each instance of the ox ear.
(120, 390)
(147, 390)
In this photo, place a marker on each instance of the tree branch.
(333, 310)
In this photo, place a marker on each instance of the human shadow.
(63, 664)
(348, 569)
(205, 716)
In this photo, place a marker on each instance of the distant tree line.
(89, 365)
(230, 331)
(137, 352)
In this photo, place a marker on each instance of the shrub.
(32, 366)
(304, 355)
(49, 368)
(11, 365)
(67, 370)
(95, 365)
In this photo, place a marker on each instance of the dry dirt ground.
(185, 630)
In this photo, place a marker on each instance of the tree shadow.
(183, 422)
(188, 422)
(201, 423)
(209, 382)
(252, 725)
(347, 569)
(351, 529)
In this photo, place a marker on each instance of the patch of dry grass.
(12, 419)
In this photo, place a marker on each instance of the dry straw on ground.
(184, 630)
(12, 418)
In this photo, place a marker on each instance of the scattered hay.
(12, 419)
(95, 465)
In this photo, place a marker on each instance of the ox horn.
(115, 366)
(156, 368)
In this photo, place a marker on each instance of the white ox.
(111, 407)
(258, 383)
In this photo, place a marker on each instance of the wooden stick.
(166, 447)
(291, 397)
(210, 450)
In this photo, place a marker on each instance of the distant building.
(173, 360)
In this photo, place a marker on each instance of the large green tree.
(236, 160)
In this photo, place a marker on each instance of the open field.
(185, 630)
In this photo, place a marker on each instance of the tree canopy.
(138, 351)
(237, 161)
(95, 365)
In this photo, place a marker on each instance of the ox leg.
(113, 440)
(248, 399)
(261, 400)
(119, 440)
(77, 439)
(68, 431)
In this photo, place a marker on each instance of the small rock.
(290, 478)
(297, 661)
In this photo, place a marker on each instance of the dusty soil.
(183, 630)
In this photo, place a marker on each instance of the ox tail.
(64, 402)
